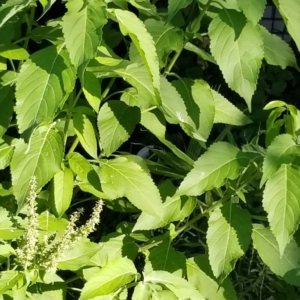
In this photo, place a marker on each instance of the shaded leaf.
(7, 229)
(174, 6)
(8, 279)
(7, 106)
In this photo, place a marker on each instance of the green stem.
(149, 109)
(107, 89)
(74, 289)
(74, 145)
(147, 247)
(12, 65)
(72, 279)
(195, 26)
(172, 62)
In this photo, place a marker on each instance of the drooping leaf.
(174, 6)
(277, 51)
(135, 28)
(12, 7)
(41, 158)
(211, 169)
(62, 190)
(44, 83)
(290, 10)
(179, 286)
(227, 113)
(86, 133)
(167, 38)
(82, 28)
(253, 9)
(279, 152)
(232, 47)
(113, 275)
(281, 200)
(228, 237)
(116, 122)
(286, 265)
(201, 276)
(121, 177)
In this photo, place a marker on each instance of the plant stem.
(149, 109)
(74, 289)
(107, 89)
(172, 62)
(74, 145)
(72, 279)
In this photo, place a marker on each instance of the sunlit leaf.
(253, 9)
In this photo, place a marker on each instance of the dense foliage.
(149, 150)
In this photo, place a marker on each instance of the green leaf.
(121, 177)
(86, 133)
(228, 237)
(116, 122)
(13, 52)
(281, 200)
(92, 90)
(62, 190)
(78, 255)
(179, 286)
(6, 153)
(253, 9)
(232, 47)
(11, 8)
(218, 163)
(41, 158)
(286, 265)
(290, 11)
(112, 276)
(174, 6)
(7, 107)
(167, 38)
(200, 275)
(82, 28)
(45, 81)
(227, 113)
(277, 51)
(135, 28)
(142, 291)
(7, 229)
(200, 52)
(279, 152)
(8, 280)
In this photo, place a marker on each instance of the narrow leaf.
(228, 237)
(281, 200)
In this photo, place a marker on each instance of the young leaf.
(166, 38)
(113, 275)
(253, 9)
(116, 122)
(228, 237)
(86, 133)
(62, 190)
(142, 291)
(135, 28)
(121, 177)
(41, 158)
(174, 6)
(211, 169)
(277, 51)
(286, 265)
(201, 277)
(281, 200)
(227, 113)
(279, 152)
(232, 47)
(82, 28)
(179, 286)
(44, 83)
(290, 11)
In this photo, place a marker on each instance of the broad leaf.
(113, 275)
(179, 286)
(228, 237)
(82, 28)
(121, 177)
(166, 38)
(232, 47)
(290, 11)
(200, 275)
(44, 83)
(227, 113)
(86, 133)
(7, 229)
(174, 6)
(135, 28)
(200, 52)
(281, 200)
(286, 265)
(279, 152)
(277, 51)
(92, 90)
(12, 51)
(62, 191)
(41, 158)
(116, 122)
(142, 291)
(8, 279)
(218, 163)
(253, 9)
(6, 153)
